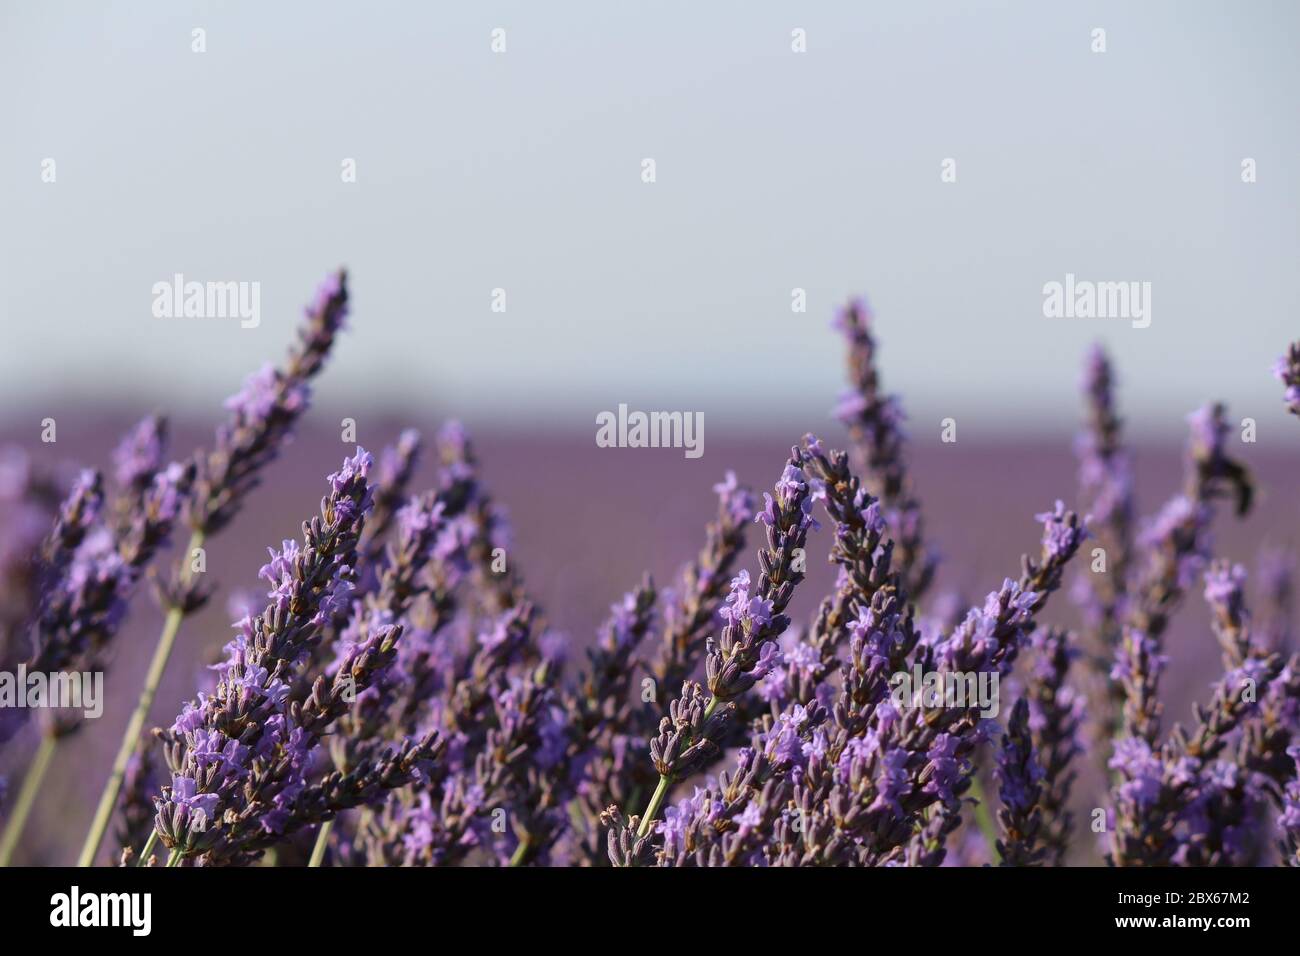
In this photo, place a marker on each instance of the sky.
(774, 170)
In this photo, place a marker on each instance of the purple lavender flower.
(874, 421)
(1160, 788)
(692, 608)
(1287, 371)
(689, 736)
(1020, 778)
(1275, 576)
(1288, 822)
(1176, 547)
(140, 454)
(97, 576)
(1055, 712)
(394, 469)
(241, 755)
(262, 416)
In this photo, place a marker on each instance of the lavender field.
(526, 649)
(549, 438)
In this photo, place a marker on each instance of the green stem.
(148, 848)
(656, 801)
(985, 819)
(27, 796)
(521, 851)
(157, 666)
(661, 791)
(322, 841)
(175, 858)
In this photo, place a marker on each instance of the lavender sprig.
(866, 558)
(746, 650)
(1287, 371)
(1288, 821)
(1106, 486)
(1176, 547)
(605, 717)
(874, 421)
(613, 773)
(1275, 574)
(439, 824)
(395, 468)
(1019, 777)
(238, 756)
(693, 609)
(1055, 713)
(29, 502)
(262, 416)
(1157, 788)
(886, 772)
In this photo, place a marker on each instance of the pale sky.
(774, 170)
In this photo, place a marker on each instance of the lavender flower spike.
(1106, 484)
(689, 737)
(262, 416)
(1019, 777)
(1287, 371)
(1289, 821)
(1176, 549)
(1055, 713)
(238, 757)
(874, 421)
(263, 413)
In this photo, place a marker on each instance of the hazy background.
(521, 170)
(775, 170)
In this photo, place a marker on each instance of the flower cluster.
(399, 697)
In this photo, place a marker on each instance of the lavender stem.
(661, 791)
(157, 666)
(983, 818)
(143, 859)
(521, 851)
(322, 841)
(27, 796)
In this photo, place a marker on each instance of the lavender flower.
(689, 737)
(82, 613)
(1275, 576)
(1106, 484)
(1176, 547)
(1287, 371)
(1159, 788)
(28, 504)
(396, 466)
(1289, 820)
(240, 757)
(262, 416)
(1055, 713)
(874, 421)
(693, 608)
(400, 693)
(607, 718)
(140, 454)
(1019, 777)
